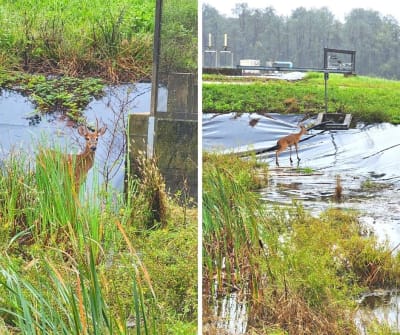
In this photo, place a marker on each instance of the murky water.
(366, 159)
(21, 128)
(380, 305)
(227, 315)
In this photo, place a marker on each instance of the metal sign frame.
(348, 66)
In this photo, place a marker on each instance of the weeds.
(308, 271)
(70, 262)
(230, 230)
(152, 188)
(368, 185)
(80, 38)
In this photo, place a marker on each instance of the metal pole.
(326, 77)
(155, 79)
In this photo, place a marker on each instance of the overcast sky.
(284, 7)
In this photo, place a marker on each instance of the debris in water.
(338, 189)
(253, 122)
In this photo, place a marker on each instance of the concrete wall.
(175, 141)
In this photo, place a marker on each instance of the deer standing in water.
(78, 165)
(288, 141)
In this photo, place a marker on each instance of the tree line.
(301, 37)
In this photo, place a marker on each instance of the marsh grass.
(74, 302)
(300, 274)
(152, 188)
(69, 259)
(230, 229)
(98, 38)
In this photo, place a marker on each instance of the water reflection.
(382, 306)
(232, 314)
(22, 128)
(229, 315)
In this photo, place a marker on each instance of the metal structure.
(155, 78)
(333, 121)
(292, 69)
(169, 130)
(212, 58)
(225, 59)
(339, 59)
(210, 55)
(335, 60)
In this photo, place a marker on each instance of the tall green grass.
(110, 39)
(74, 261)
(43, 209)
(74, 301)
(230, 226)
(298, 273)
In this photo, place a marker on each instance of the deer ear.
(82, 130)
(101, 131)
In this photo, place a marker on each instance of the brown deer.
(77, 165)
(288, 141)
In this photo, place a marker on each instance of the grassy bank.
(102, 39)
(92, 262)
(299, 274)
(368, 99)
(112, 40)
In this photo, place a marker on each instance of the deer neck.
(86, 158)
(302, 132)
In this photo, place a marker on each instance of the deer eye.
(87, 138)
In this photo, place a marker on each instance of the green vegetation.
(305, 170)
(372, 186)
(112, 40)
(368, 99)
(103, 39)
(86, 263)
(301, 274)
(62, 41)
(92, 261)
(179, 36)
(64, 94)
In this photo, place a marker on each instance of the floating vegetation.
(63, 94)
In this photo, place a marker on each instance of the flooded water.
(380, 305)
(232, 316)
(366, 159)
(22, 128)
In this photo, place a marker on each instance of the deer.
(288, 141)
(77, 165)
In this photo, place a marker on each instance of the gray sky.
(284, 7)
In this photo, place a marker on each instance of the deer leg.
(298, 158)
(276, 157)
(291, 161)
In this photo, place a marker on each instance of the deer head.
(91, 137)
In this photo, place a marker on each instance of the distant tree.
(262, 34)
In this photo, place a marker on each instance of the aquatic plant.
(309, 270)
(54, 94)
